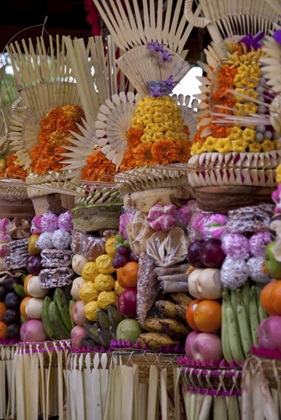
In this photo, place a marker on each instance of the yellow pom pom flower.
(91, 311)
(210, 144)
(106, 298)
(249, 135)
(235, 133)
(224, 145)
(255, 147)
(239, 146)
(110, 248)
(90, 271)
(88, 292)
(104, 282)
(104, 264)
(267, 145)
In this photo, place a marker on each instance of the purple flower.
(252, 41)
(277, 36)
(155, 47)
(161, 87)
(165, 56)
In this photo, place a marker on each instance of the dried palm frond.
(44, 81)
(225, 18)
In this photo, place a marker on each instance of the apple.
(128, 330)
(127, 302)
(269, 333)
(273, 267)
(32, 330)
(77, 333)
(193, 254)
(211, 253)
(193, 283)
(78, 312)
(206, 348)
(188, 343)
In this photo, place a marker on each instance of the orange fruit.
(3, 309)
(190, 314)
(26, 280)
(23, 306)
(127, 276)
(207, 316)
(267, 296)
(3, 330)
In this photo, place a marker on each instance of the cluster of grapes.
(124, 253)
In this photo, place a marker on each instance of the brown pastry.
(51, 258)
(55, 277)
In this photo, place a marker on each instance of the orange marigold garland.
(13, 169)
(97, 166)
(55, 130)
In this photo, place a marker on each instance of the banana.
(112, 332)
(246, 289)
(71, 303)
(181, 298)
(224, 333)
(59, 328)
(262, 314)
(18, 288)
(164, 325)
(105, 337)
(114, 316)
(233, 330)
(244, 326)
(156, 340)
(92, 331)
(60, 300)
(254, 316)
(171, 310)
(88, 342)
(103, 319)
(233, 298)
(46, 320)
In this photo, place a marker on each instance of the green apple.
(128, 329)
(273, 267)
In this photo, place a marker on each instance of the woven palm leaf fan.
(225, 18)
(133, 26)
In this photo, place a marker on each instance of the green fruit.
(126, 243)
(22, 319)
(273, 267)
(128, 329)
(119, 238)
(22, 277)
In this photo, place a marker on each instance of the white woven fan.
(44, 81)
(188, 114)
(225, 18)
(113, 122)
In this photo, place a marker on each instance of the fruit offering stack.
(269, 336)
(14, 253)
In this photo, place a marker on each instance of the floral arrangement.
(241, 73)
(157, 134)
(11, 168)
(56, 129)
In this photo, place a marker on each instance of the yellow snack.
(91, 311)
(104, 264)
(224, 145)
(239, 145)
(90, 271)
(210, 144)
(255, 147)
(106, 298)
(88, 292)
(235, 133)
(110, 248)
(251, 108)
(249, 135)
(278, 174)
(267, 145)
(243, 69)
(117, 288)
(104, 282)
(277, 144)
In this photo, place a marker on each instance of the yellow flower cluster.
(239, 140)
(278, 174)
(159, 118)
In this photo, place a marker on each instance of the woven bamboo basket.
(271, 369)
(14, 202)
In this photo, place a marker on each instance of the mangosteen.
(12, 300)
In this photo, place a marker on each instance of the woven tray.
(221, 199)
(271, 369)
(217, 381)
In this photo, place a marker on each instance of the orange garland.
(55, 130)
(13, 170)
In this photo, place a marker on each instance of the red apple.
(206, 348)
(77, 333)
(78, 313)
(269, 333)
(188, 343)
(211, 253)
(127, 303)
(193, 254)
